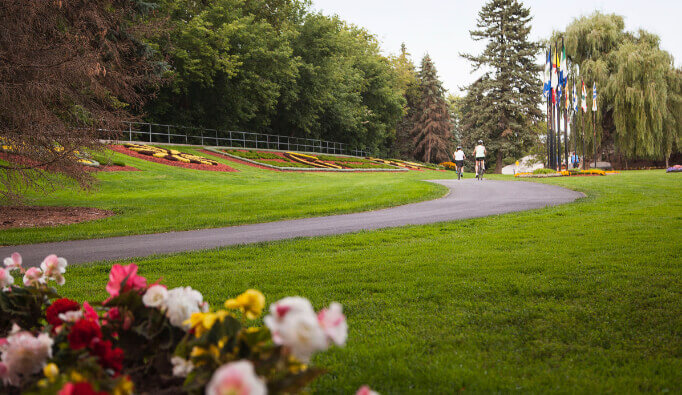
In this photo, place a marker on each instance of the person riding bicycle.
(479, 154)
(459, 159)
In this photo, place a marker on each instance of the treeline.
(274, 66)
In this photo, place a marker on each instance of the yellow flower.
(200, 351)
(76, 377)
(51, 371)
(203, 322)
(251, 303)
(124, 387)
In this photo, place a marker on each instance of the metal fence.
(171, 134)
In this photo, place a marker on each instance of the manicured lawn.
(580, 298)
(162, 198)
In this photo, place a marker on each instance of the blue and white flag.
(575, 99)
(547, 83)
(594, 97)
(555, 77)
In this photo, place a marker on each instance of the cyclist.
(459, 160)
(479, 154)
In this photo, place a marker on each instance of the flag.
(555, 78)
(568, 103)
(575, 99)
(563, 76)
(559, 96)
(594, 97)
(547, 87)
(583, 98)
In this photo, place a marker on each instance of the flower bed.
(170, 157)
(449, 166)
(543, 173)
(674, 169)
(296, 161)
(146, 338)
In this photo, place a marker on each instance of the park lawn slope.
(583, 297)
(163, 198)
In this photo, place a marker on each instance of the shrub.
(544, 171)
(449, 166)
(149, 339)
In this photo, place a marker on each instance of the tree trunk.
(498, 164)
(667, 159)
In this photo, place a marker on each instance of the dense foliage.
(501, 106)
(66, 68)
(273, 66)
(640, 89)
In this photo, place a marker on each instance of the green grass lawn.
(163, 198)
(579, 298)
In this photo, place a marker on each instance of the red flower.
(109, 358)
(57, 307)
(83, 333)
(83, 388)
(127, 274)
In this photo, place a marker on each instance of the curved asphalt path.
(467, 199)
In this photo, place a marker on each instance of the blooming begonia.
(81, 388)
(181, 367)
(24, 354)
(251, 303)
(128, 274)
(6, 278)
(83, 333)
(108, 356)
(293, 324)
(60, 306)
(180, 305)
(71, 316)
(155, 296)
(365, 390)
(333, 323)
(13, 262)
(33, 277)
(236, 378)
(54, 268)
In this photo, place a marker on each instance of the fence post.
(130, 131)
(150, 132)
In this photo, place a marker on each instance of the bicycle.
(460, 171)
(480, 169)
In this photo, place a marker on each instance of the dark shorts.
(459, 163)
(480, 158)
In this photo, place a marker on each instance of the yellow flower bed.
(310, 160)
(170, 154)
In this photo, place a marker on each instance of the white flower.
(54, 268)
(33, 277)
(71, 316)
(236, 378)
(333, 323)
(181, 303)
(25, 354)
(155, 296)
(6, 278)
(365, 390)
(13, 262)
(293, 324)
(181, 366)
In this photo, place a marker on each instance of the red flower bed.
(196, 166)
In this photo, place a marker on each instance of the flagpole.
(566, 132)
(582, 117)
(594, 126)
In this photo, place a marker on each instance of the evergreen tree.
(431, 132)
(508, 95)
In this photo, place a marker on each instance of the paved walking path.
(467, 199)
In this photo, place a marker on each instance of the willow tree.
(638, 86)
(432, 128)
(510, 90)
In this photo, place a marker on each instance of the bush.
(544, 171)
(146, 338)
(449, 166)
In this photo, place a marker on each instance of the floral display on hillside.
(674, 169)
(406, 164)
(170, 154)
(147, 338)
(297, 160)
(542, 173)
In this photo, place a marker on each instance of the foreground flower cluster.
(147, 338)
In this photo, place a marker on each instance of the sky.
(441, 27)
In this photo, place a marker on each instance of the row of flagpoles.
(555, 90)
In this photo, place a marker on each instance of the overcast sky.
(441, 27)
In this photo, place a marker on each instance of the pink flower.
(24, 354)
(128, 274)
(13, 262)
(54, 268)
(333, 323)
(90, 312)
(365, 390)
(33, 277)
(293, 324)
(6, 278)
(4, 373)
(238, 378)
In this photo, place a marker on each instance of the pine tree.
(432, 128)
(508, 95)
(408, 80)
